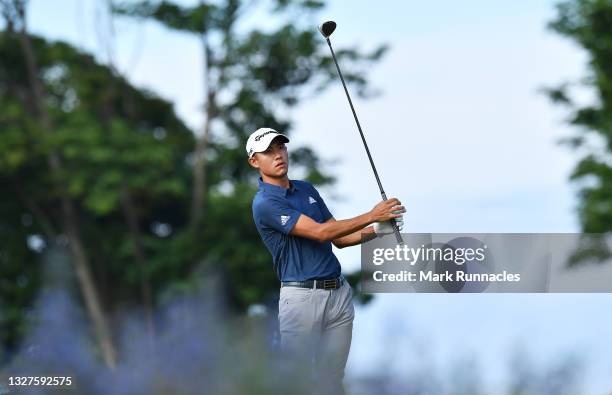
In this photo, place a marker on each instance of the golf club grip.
(398, 235)
(396, 231)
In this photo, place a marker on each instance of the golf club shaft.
(398, 236)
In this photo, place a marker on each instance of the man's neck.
(281, 181)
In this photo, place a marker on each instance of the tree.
(589, 24)
(15, 17)
(250, 78)
(76, 171)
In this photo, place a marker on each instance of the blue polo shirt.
(275, 212)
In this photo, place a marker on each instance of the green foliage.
(198, 19)
(105, 132)
(20, 274)
(589, 24)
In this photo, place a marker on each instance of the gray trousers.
(316, 328)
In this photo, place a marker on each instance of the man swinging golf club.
(315, 308)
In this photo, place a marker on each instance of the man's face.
(273, 162)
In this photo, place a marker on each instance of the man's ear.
(253, 161)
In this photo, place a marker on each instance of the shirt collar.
(275, 189)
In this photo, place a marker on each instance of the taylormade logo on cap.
(260, 140)
(258, 137)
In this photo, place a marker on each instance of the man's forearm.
(332, 229)
(361, 236)
(336, 229)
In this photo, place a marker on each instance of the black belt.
(329, 283)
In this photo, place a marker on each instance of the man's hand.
(384, 228)
(386, 210)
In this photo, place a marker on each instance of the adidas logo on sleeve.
(284, 219)
(311, 200)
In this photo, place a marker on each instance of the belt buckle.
(329, 284)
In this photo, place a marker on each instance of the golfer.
(315, 308)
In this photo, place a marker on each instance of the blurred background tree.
(589, 24)
(108, 173)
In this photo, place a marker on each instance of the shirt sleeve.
(324, 210)
(276, 214)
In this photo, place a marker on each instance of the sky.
(462, 134)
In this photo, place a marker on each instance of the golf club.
(326, 29)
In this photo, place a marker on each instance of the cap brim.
(283, 138)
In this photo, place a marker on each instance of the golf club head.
(327, 28)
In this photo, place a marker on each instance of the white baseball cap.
(260, 140)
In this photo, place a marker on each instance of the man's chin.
(278, 173)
